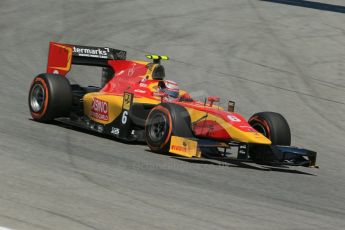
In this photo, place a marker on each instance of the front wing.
(262, 154)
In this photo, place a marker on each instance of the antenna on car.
(157, 58)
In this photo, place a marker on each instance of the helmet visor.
(171, 93)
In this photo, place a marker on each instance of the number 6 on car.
(124, 117)
(136, 103)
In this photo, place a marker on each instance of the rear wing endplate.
(62, 56)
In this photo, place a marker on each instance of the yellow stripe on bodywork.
(141, 62)
(145, 100)
(235, 133)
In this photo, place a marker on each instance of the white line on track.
(4, 228)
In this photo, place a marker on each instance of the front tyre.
(164, 121)
(50, 97)
(273, 126)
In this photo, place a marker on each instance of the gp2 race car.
(131, 105)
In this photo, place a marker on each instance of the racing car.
(136, 103)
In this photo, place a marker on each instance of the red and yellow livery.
(129, 105)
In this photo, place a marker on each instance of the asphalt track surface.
(265, 55)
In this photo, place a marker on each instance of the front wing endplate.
(184, 147)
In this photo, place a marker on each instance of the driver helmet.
(171, 88)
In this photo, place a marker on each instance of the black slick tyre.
(272, 125)
(50, 97)
(164, 121)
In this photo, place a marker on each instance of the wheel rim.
(260, 128)
(158, 127)
(37, 98)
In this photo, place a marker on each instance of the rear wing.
(62, 56)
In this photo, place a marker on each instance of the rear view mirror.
(231, 106)
(212, 99)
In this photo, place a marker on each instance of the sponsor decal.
(242, 152)
(184, 147)
(179, 148)
(100, 128)
(131, 71)
(91, 52)
(100, 109)
(127, 100)
(99, 52)
(115, 131)
(139, 91)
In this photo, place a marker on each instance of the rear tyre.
(50, 97)
(164, 121)
(273, 126)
